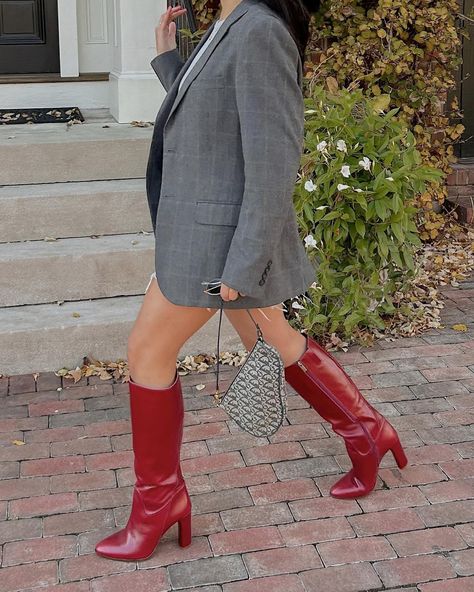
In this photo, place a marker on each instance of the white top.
(218, 23)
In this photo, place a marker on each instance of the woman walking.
(223, 163)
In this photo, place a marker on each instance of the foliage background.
(407, 54)
(360, 174)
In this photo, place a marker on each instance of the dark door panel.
(29, 40)
(465, 149)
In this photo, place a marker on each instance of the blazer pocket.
(218, 213)
(208, 81)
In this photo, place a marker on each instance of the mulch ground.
(262, 515)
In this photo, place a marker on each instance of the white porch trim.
(135, 91)
(85, 95)
(68, 39)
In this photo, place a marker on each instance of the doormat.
(48, 115)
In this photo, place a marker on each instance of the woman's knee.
(144, 348)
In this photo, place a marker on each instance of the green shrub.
(409, 51)
(359, 177)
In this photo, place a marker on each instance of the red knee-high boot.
(160, 496)
(322, 382)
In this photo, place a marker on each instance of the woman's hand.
(229, 293)
(165, 31)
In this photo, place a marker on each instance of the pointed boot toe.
(349, 486)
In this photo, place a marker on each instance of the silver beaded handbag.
(256, 399)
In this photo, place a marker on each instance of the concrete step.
(63, 210)
(45, 337)
(36, 272)
(54, 153)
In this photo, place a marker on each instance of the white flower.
(322, 207)
(358, 189)
(310, 111)
(322, 146)
(345, 171)
(296, 305)
(341, 145)
(365, 163)
(389, 178)
(310, 241)
(341, 186)
(309, 185)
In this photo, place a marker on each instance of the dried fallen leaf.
(459, 327)
(199, 387)
(141, 123)
(18, 442)
(440, 263)
(76, 374)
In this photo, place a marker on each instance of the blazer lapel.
(238, 11)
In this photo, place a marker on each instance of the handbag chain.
(217, 393)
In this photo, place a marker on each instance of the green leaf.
(407, 256)
(381, 208)
(397, 231)
(360, 227)
(320, 318)
(331, 215)
(308, 210)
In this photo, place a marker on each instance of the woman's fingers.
(228, 293)
(170, 14)
(166, 28)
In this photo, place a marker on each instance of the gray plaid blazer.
(223, 163)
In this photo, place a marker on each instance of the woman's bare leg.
(159, 332)
(276, 330)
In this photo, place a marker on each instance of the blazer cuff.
(167, 66)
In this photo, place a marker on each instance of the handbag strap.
(259, 336)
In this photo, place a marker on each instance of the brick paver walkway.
(262, 516)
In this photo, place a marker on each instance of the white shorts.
(153, 275)
(281, 306)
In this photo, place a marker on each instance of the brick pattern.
(262, 515)
(461, 191)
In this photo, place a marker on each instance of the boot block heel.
(184, 530)
(399, 454)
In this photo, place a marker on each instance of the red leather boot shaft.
(160, 496)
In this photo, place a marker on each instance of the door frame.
(463, 156)
(68, 38)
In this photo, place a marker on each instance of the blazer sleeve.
(167, 66)
(270, 106)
